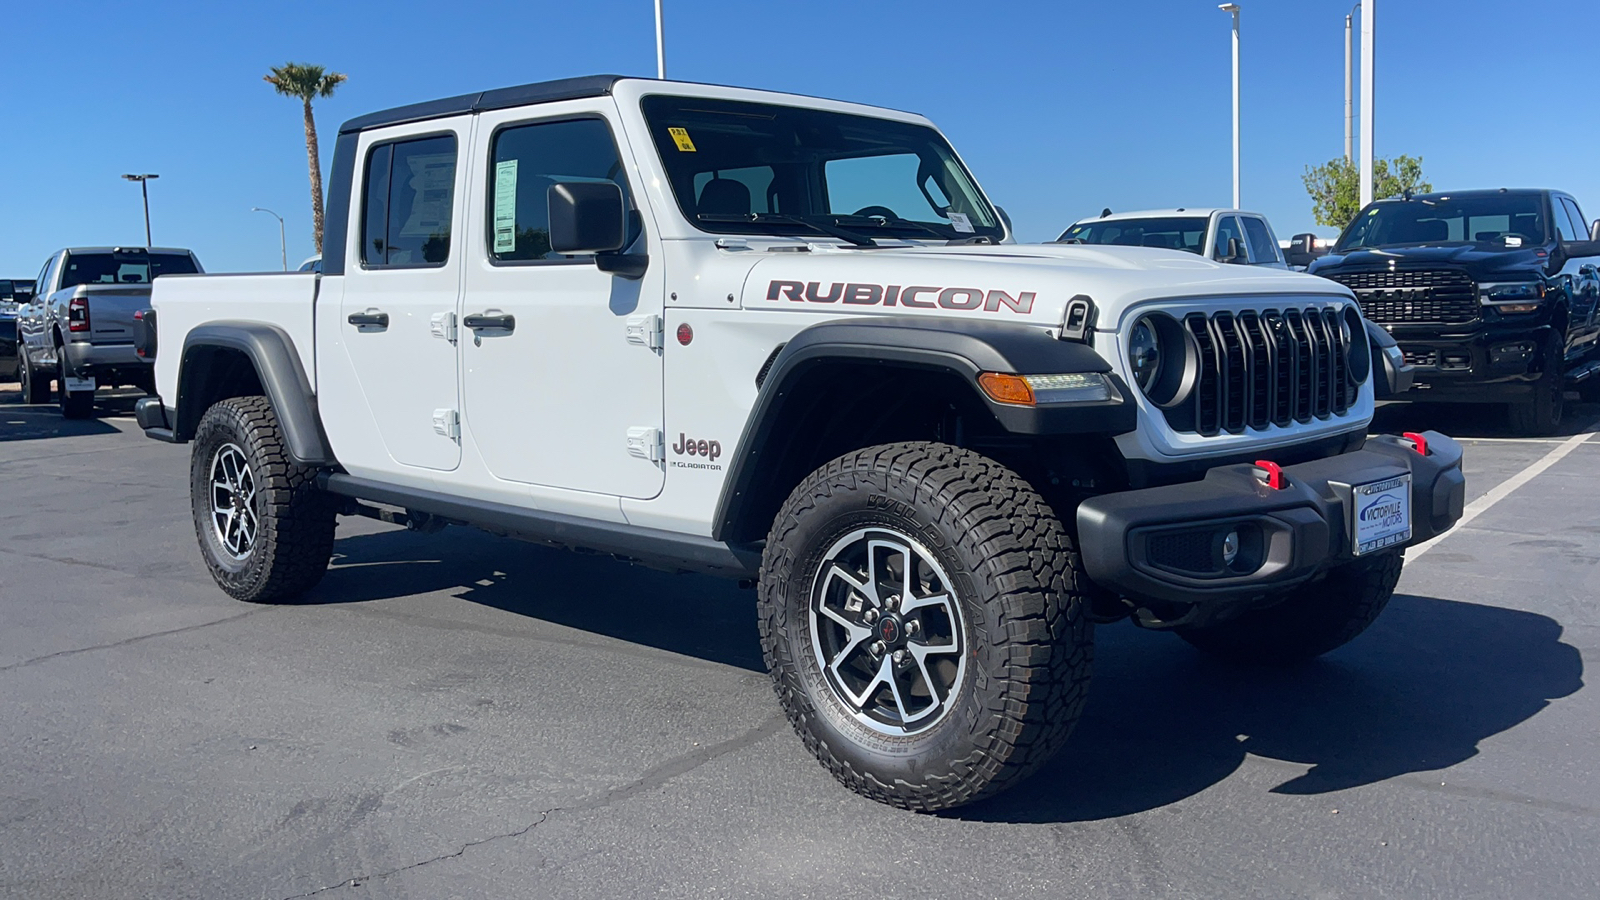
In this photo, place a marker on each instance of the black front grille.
(1258, 369)
(1432, 296)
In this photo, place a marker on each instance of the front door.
(402, 287)
(553, 387)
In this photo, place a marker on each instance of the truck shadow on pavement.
(1419, 691)
(19, 422)
(692, 615)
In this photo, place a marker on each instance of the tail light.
(78, 314)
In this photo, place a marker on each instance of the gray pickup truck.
(80, 327)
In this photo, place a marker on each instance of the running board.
(652, 547)
(1584, 372)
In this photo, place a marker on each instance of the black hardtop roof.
(499, 98)
(1476, 192)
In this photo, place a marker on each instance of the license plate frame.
(1380, 514)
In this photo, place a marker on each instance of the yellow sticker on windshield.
(680, 136)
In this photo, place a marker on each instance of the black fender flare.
(957, 346)
(277, 366)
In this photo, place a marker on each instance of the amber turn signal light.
(1004, 388)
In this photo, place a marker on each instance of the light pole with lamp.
(1234, 9)
(283, 248)
(144, 188)
(1349, 89)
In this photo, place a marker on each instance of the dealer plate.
(1381, 514)
(79, 384)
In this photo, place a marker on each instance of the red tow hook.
(1418, 442)
(1275, 479)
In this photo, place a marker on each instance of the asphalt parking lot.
(461, 715)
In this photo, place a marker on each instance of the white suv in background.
(1225, 235)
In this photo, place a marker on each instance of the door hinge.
(444, 325)
(645, 331)
(447, 422)
(647, 443)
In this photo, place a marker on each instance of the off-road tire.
(294, 539)
(1019, 585)
(74, 404)
(34, 389)
(1310, 621)
(1542, 413)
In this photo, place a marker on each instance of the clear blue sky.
(1061, 107)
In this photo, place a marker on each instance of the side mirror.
(1012, 232)
(1235, 252)
(586, 217)
(1594, 231)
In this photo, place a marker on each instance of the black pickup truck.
(1491, 294)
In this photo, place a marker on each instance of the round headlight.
(1144, 353)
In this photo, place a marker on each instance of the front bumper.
(1496, 361)
(1163, 543)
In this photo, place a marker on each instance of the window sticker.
(432, 177)
(680, 136)
(960, 222)
(505, 206)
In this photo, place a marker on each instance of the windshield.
(757, 168)
(1172, 232)
(1509, 220)
(125, 267)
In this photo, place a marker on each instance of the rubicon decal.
(916, 296)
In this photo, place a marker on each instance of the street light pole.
(1368, 51)
(283, 248)
(1234, 9)
(1349, 90)
(661, 46)
(144, 188)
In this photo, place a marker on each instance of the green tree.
(1335, 186)
(308, 82)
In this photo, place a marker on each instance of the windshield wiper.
(860, 240)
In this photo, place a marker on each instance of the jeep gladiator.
(787, 340)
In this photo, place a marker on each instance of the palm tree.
(308, 82)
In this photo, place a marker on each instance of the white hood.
(1010, 282)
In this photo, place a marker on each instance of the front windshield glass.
(1172, 232)
(1507, 220)
(758, 168)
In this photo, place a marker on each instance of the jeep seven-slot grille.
(1257, 369)
(1433, 296)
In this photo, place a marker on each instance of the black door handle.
(501, 322)
(372, 318)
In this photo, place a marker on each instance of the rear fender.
(206, 375)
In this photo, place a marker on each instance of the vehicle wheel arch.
(221, 360)
(922, 384)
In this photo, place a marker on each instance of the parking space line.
(1503, 490)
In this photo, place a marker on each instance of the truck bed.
(284, 300)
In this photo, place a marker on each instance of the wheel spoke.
(856, 647)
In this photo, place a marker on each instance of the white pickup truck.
(789, 340)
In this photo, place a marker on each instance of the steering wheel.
(882, 212)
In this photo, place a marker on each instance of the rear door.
(402, 286)
(568, 371)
